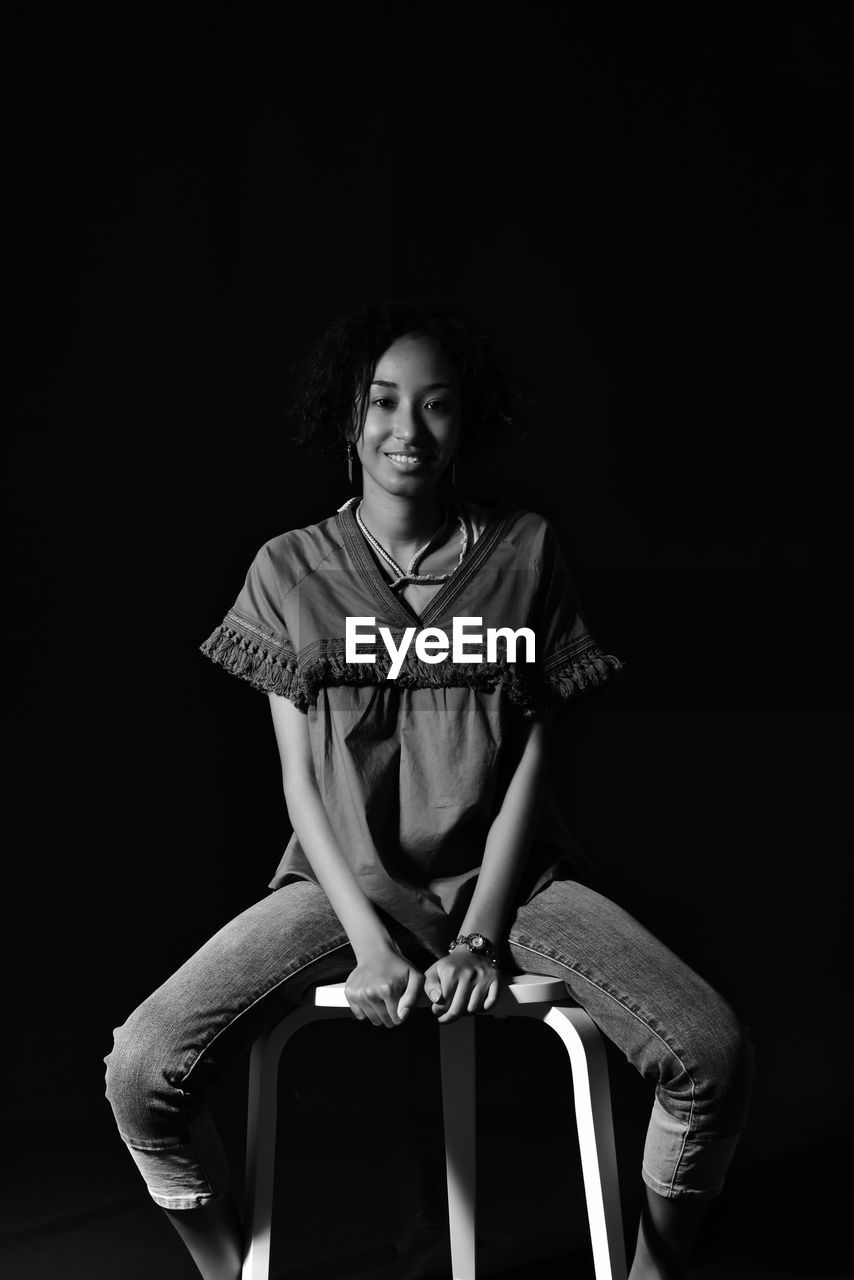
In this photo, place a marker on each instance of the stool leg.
(260, 1159)
(261, 1135)
(595, 1137)
(456, 1047)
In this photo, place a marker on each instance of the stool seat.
(524, 988)
(531, 995)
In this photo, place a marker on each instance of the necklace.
(410, 575)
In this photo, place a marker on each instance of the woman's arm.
(510, 836)
(467, 981)
(384, 985)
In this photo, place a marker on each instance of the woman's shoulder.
(297, 552)
(514, 515)
(525, 531)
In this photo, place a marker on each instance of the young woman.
(427, 852)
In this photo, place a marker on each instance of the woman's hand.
(383, 987)
(462, 982)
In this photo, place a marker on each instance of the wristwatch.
(477, 944)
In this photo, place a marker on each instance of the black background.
(646, 214)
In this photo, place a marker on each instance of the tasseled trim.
(272, 666)
(323, 664)
(266, 664)
(588, 670)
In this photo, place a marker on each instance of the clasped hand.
(384, 986)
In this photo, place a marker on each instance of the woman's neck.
(401, 522)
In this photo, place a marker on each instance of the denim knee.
(140, 1076)
(169, 1134)
(724, 1068)
(699, 1112)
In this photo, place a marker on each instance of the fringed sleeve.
(570, 660)
(252, 641)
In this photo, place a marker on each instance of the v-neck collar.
(398, 610)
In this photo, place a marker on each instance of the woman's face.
(413, 418)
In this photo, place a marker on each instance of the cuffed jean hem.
(676, 1164)
(184, 1175)
(166, 1171)
(182, 1203)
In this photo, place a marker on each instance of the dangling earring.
(350, 463)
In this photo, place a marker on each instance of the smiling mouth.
(410, 460)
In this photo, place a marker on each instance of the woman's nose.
(407, 424)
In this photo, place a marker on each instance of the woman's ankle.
(667, 1235)
(213, 1236)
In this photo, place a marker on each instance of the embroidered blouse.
(413, 769)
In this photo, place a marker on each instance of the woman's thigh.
(668, 1021)
(212, 1008)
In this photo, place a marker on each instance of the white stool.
(529, 995)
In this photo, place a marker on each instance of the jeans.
(670, 1024)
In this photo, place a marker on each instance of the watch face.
(476, 940)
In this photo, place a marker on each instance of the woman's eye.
(388, 402)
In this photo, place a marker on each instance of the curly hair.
(331, 381)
